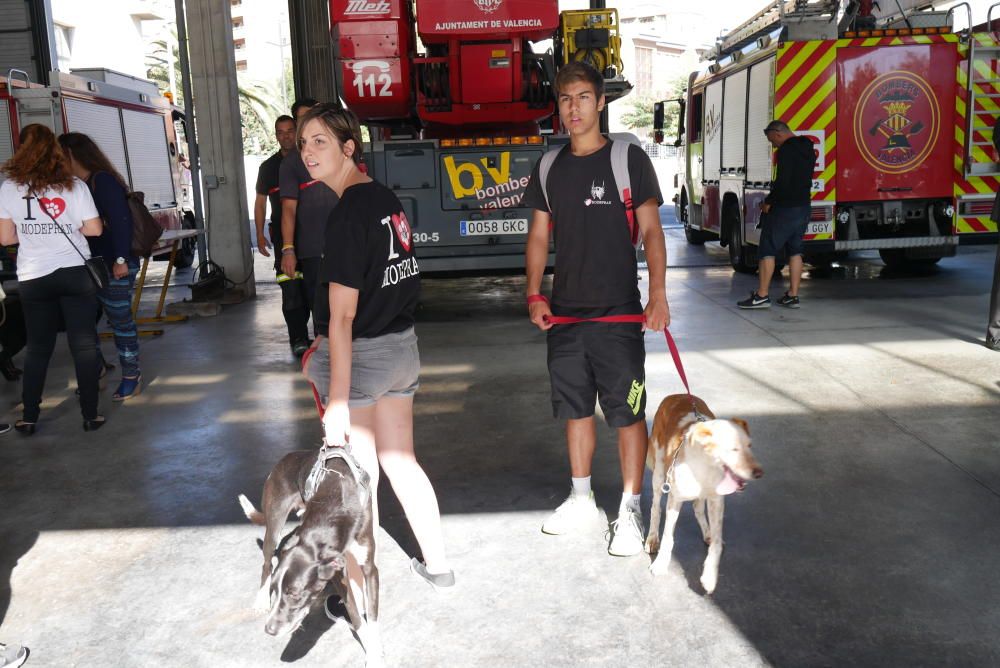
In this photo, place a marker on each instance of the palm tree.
(259, 101)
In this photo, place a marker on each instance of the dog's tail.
(252, 513)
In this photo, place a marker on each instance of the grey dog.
(335, 503)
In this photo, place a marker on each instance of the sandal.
(128, 388)
(26, 428)
(94, 424)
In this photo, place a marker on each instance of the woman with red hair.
(48, 211)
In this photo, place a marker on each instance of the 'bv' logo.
(365, 7)
(456, 171)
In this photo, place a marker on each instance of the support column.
(220, 140)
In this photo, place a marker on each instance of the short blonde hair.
(342, 124)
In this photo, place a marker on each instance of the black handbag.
(96, 267)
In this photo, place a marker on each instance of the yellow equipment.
(591, 35)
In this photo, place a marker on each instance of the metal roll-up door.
(6, 136)
(149, 159)
(102, 124)
(713, 131)
(734, 122)
(758, 116)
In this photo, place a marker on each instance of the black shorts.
(592, 361)
(782, 230)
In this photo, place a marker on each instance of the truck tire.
(738, 255)
(895, 258)
(694, 236)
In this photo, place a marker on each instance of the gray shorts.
(386, 366)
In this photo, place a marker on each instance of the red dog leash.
(636, 318)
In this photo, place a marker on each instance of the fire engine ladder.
(778, 13)
(983, 101)
(34, 105)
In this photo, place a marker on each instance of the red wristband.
(537, 298)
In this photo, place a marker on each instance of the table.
(171, 240)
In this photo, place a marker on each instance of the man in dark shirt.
(595, 275)
(787, 211)
(305, 207)
(293, 298)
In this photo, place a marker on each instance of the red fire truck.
(125, 116)
(457, 129)
(904, 162)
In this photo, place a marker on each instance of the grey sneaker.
(755, 301)
(437, 580)
(789, 301)
(12, 656)
(627, 534)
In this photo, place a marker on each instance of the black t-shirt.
(267, 184)
(316, 201)
(595, 260)
(369, 246)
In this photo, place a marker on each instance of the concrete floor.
(871, 540)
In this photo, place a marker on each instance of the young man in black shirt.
(293, 298)
(595, 275)
(787, 208)
(305, 206)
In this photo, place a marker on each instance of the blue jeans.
(116, 301)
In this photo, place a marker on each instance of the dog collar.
(319, 471)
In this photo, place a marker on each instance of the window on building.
(64, 45)
(238, 22)
(643, 70)
(235, 3)
(241, 65)
(240, 43)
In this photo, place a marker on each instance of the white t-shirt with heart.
(43, 247)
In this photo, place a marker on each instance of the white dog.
(701, 462)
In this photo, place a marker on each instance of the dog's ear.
(330, 564)
(742, 423)
(701, 433)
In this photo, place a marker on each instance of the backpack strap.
(544, 167)
(619, 168)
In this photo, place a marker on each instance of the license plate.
(825, 227)
(475, 228)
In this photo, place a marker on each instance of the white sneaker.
(12, 655)
(627, 534)
(576, 512)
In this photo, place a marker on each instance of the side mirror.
(658, 116)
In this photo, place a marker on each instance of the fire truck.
(126, 117)
(457, 128)
(900, 110)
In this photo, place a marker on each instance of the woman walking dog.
(110, 193)
(373, 284)
(48, 211)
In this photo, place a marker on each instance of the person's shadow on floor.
(14, 544)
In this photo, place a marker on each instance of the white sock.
(581, 486)
(630, 501)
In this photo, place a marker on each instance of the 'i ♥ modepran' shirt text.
(369, 247)
(43, 248)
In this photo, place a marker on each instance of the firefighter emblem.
(488, 6)
(896, 123)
